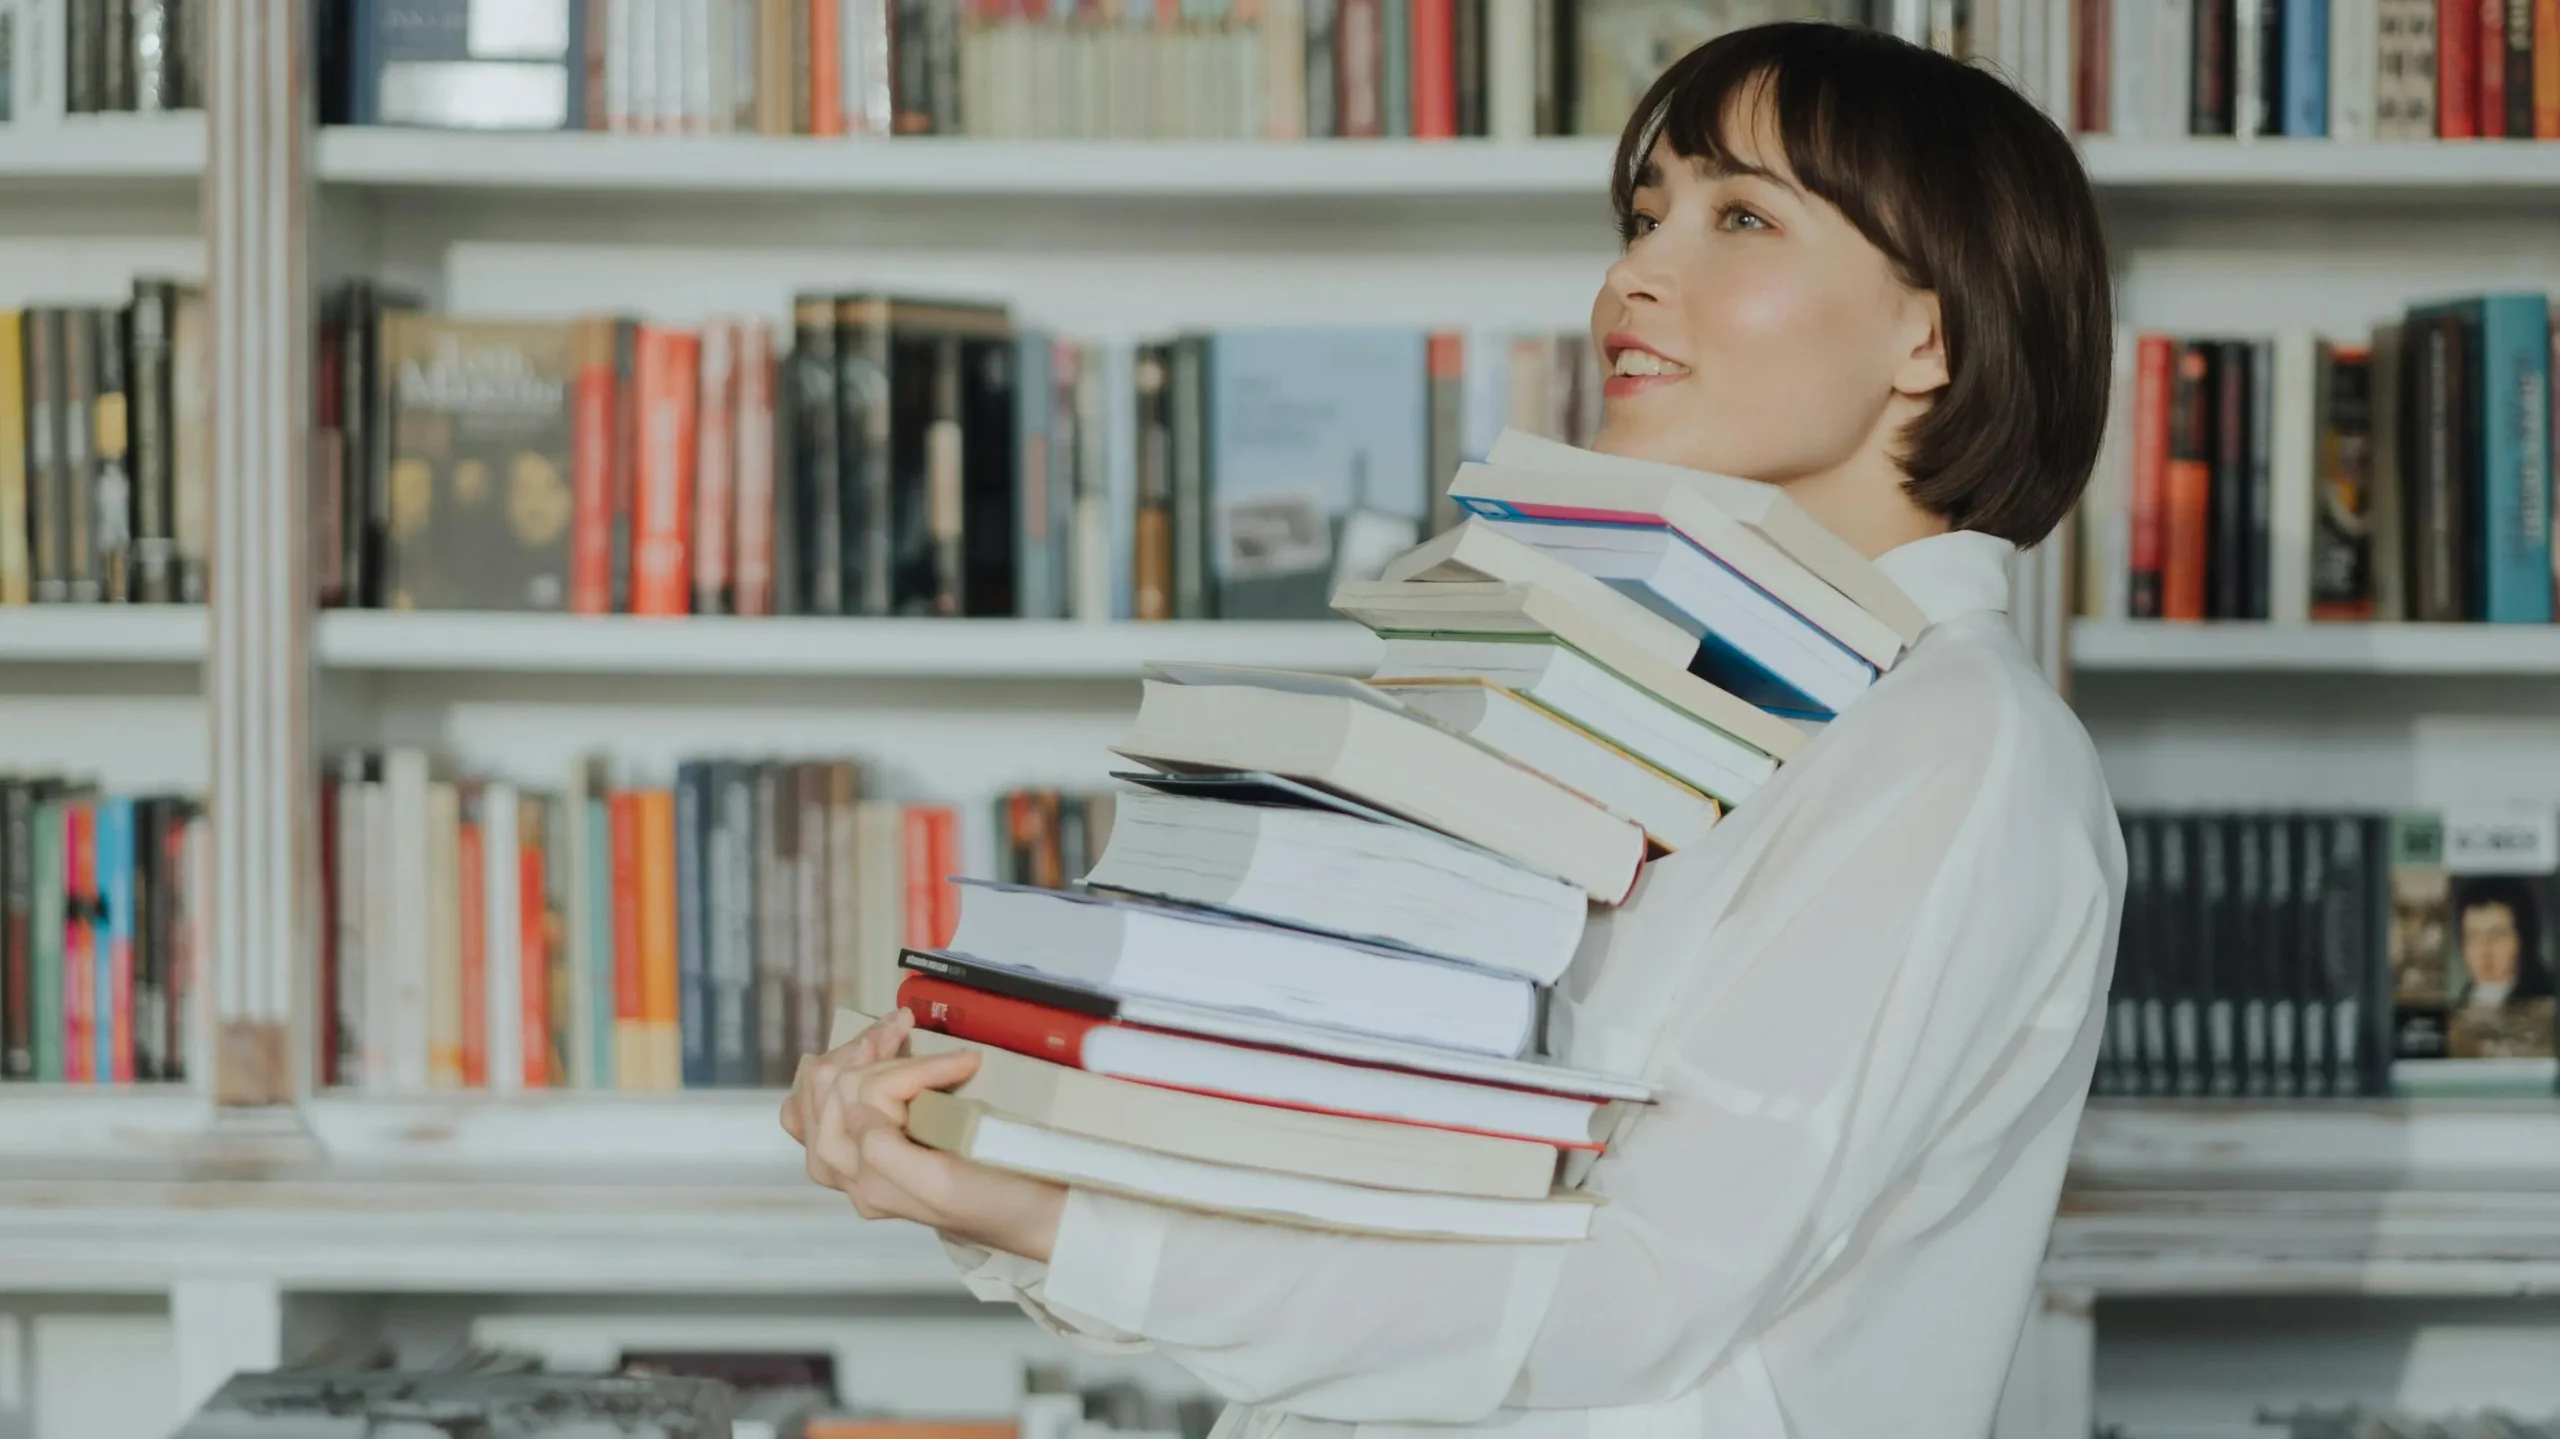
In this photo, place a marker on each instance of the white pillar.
(223, 1327)
(257, 231)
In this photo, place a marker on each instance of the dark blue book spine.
(692, 992)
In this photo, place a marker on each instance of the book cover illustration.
(2503, 903)
(480, 479)
(2421, 942)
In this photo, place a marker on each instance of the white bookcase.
(2206, 1258)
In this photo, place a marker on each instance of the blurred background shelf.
(106, 149)
(816, 647)
(102, 634)
(2248, 646)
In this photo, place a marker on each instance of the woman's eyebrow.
(1727, 167)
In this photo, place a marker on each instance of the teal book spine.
(115, 941)
(599, 930)
(2515, 421)
(46, 918)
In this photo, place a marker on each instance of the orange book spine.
(471, 857)
(2148, 540)
(658, 999)
(826, 68)
(2546, 69)
(533, 947)
(2188, 502)
(591, 470)
(751, 571)
(946, 868)
(622, 812)
(661, 527)
(715, 493)
(916, 867)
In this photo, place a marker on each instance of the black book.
(2209, 91)
(360, 552)
(2436, 438)
(788, 552)
(17, 936)
(815, 484)
(2311, 940)
(49, 489)
(911, 63)
(2370, 1060)
(733, 911)
(856, 515)
(2227, 563)
(2342, 557)
(2121, 1066)
(155, 321)
(2218, 961)
(1467, 31)
(193, 24)
(2174, 1014)
(2270, 22)
(942, 67)
(84, 44)
(692, 930)
(990, 493)
(1188, 404)
(150, 971)
(2283, 965)
(932, 346)
(80, 456)
(775, 932)
(2519, 63)
(2258, 587)
(622, 480)
(112, 525)
(2349, 959)
(1324, 120)
(116, 44)
(2252, 959)
(1010, 982)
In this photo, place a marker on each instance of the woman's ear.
(1923, 369)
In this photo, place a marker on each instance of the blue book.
(1318, 463)
(115, 938)
(692, 929)
(1038, 592)
(599, 956)
(1395, 67)
(2306, 67)
(2514, 348)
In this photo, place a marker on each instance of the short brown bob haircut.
(1972, 194)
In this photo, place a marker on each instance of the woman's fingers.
(820, 1073)
(888, 1087)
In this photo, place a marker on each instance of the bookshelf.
(104, 151)
(2137, 647)
(102, 634)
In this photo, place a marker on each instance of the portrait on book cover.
(2498, 980)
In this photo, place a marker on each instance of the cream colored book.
(974, 1131)
(1475, 550)
(1371, 1152)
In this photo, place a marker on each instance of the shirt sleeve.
(1855, 996)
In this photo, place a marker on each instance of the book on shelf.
(1281, 70)
(102, 934)
(2407, 476)
(61, 58)
(105, 450)
(2472, 951)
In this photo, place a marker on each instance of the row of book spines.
(116, 55)
(713, 928)
(2252, 960)
(104, 473)
(99, 897)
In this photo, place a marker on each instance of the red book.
(533, 949)
(826, 68)
(591, 445)
(916, 867)
(2458, 68)
(471, 858)
(79, 957)
(751, 571)
(661, 528)
(2189, 491)
(2490, 111)
(1359, 51)
(945, 830)
(2148, 539)
(630, 1068)
(2093, 64)
(1253, 1074)
(1435, 69)
(715, 501)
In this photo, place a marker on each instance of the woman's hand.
(848, 1110)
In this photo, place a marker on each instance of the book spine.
(1323, 86)
(826, 68)
(2514, 59)
(2490, 90)
(1189, 415)
(733, 1017)
(916, 867)
(470, 1000)
(2136, 961)
(2306, 67)
(2227, 567)
(85, 57)
(2457, 32)
(49, 487)
(1016, 1025)
(154, 477)
(47, 923)
(861, 506)
(1435, 69)
(2346, 477)
(592, 435)
(911, 88)
(2546, 69)
(565, 1057)
(1468, 38)
(715, 472)
(2257, 541)
(2186, 524)
(347, 946)
(501, 995)
(1395, 69)
(2514, 424)
(809, 1013)
(753, 534)
(2092, 103)
(150, 1021)
(928, 500)
(2253, 110)
(2210, 99)
(329, 455)
(359, 556)
(1153, 558)
(2433, 468)
(662, 511)
(2352, 81)
(79, 952)
(817, 486)
(2218, 958)
(623, 478)
(115, 45)
(1358, 62)
(115, 955)
(153, 38)
(16, 450)
(17, 947)
(111, 525)
(844, 886)
(2253, 956)
(982, 497)
(603, 941)
(1040, 593)
(659, 992)
(775, 891)
(630, 1004)
(191, 442)
(532, 1057)
(2282, 942)
(692, 929)
(79, 456)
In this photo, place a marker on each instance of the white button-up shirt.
(1871, 999)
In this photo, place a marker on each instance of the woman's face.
(1749, 329)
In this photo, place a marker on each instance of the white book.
(502, 952)
(880, 845)
(348, 873)
(1511, 69)
(673, 66)
(381, 977)
(405, 787)
(2249, 115)
(2172, 41)
(2105, 525)
(2129, 75)
(1316, 869)
(1478, 550)
(39, 62)
(1092, 537)
(619, 18)
(2292, 494)
(719, 44)
(2353, 31)
(444, 936)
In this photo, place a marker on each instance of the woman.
(1874, 276)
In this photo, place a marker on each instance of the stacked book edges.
(1304, 982)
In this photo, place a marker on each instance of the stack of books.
(1301, 981)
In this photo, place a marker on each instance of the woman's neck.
(1868, 508)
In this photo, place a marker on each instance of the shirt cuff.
(1103, 1263)
(992, 1274)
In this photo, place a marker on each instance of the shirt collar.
(1956, 573)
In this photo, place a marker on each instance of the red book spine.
(325, 1017)
(2189, 490)
(826, 69)
(79, 961)
(915, 825)
(2092, 53)
(944, 825)
(2149, 538)
(2457, 68)
(715, 501)
(2490, 92)
(1435, 69)
(591, 471)
(471, 858)
(533, 946)
(751, 573)
(660, 528)
(622, 811)
(1014, 1024)
(118, 1011)
(1359, 46)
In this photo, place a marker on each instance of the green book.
(46, 916)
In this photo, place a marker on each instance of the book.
(1252, 1073)
(479, 463)
(1350, 744)
(448, 64)
(973, 1131)
(663, 493)
(1206, 958)
(16, 454)
(1214, 1130)
(2505, 477)
(2404, 105)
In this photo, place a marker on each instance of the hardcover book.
(480, 468)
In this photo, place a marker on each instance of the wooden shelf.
(102, 634)
(106, 149)
(2153, 646)
(807, 647)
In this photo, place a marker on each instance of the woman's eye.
(1739, 217)
(1638, 225)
